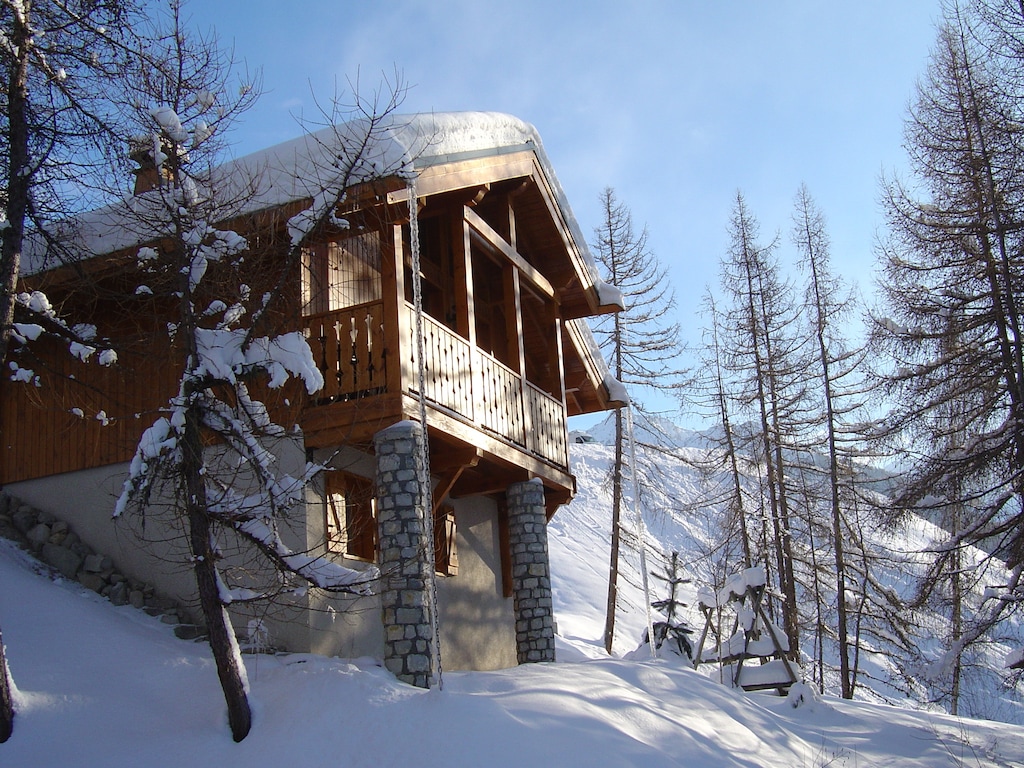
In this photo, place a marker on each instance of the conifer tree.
(762, 346)
(837, 387)
(642, 343)
(950, 326)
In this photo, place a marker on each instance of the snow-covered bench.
(753, 637)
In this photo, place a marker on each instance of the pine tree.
(673, 628)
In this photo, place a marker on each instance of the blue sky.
(676, 105)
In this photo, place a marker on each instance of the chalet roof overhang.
(441, 153)
(465, 157)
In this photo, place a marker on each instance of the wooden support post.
(398, 332)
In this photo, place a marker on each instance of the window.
(351, 525)
(341, 274)
(446, 559)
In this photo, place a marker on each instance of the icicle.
(640, 533)
(421, 374)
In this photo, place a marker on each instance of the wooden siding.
(42, 433)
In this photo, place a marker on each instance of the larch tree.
(950, 324)
(837, 385)
(642, 343)
(763, 354)
(57, 60)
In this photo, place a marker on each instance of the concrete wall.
(343, 626)
(156, 554)
(477, 623)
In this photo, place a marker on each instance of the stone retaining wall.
(56, 544)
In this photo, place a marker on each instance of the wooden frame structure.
(753, 636)
(508, 358)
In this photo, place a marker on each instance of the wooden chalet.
(507, 282)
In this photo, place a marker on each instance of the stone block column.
(531, 573)
(404, 554)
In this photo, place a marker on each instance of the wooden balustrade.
(448, 367)
(349, 348)
(501, 401)
(547, 436)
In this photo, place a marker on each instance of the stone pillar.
(531, 575)
(404, 554)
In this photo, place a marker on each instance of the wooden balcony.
(461, 383)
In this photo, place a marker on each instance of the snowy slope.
(106, 686)
(673, 520)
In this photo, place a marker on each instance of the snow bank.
(106, 686)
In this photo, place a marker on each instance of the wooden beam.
(459, 174)
(465, 309)
(451, 476)
(496, 241)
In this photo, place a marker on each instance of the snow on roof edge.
(300, 168)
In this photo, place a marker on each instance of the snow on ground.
(99, 685)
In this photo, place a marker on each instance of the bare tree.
(56, 61)
(642, 343)
(950, 326)
(836, 372)
(211, 463)
(763, 350)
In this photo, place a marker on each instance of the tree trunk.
(222, 639)
(6, 699)
(613, 567)
(10, 260)
(16, 205)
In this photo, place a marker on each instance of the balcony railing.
(349, 349)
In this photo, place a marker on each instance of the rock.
(70, 540)
(163, 604)
(136, 599)
(91, 581)
(46, 517)
(93, 563)
(171, 617)
(64, 560)
(57, 537)
(119, 593)
(188, 632)
(38, 535)
(81, 549)
(25, 518)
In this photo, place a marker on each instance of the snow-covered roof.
(306, 166)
